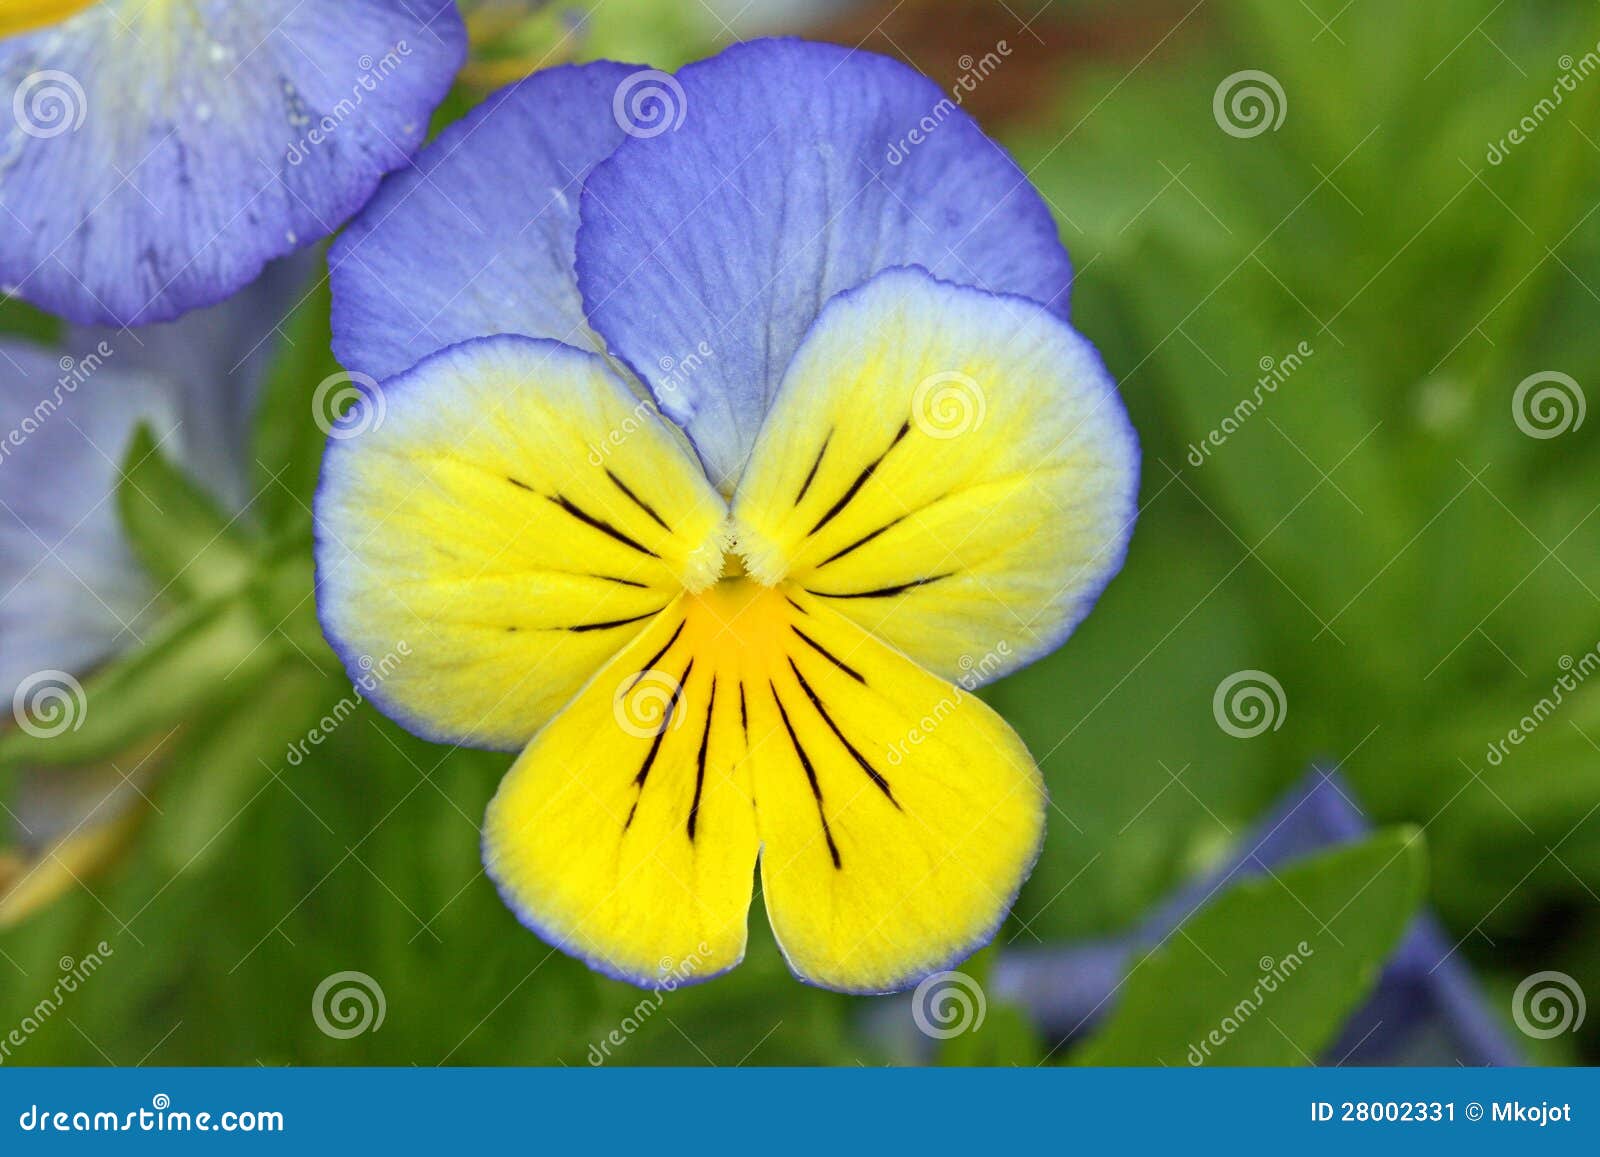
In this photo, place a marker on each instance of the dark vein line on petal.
(655, 744)
(881, 592)
(811, 476)
(872, 772)
(811, 776)
(637, 501)
(861, 480)
(830, 656)
(700, 760)
(600, 524)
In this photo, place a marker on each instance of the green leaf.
(236, 750)
(198, 656)
(190, 547)
(287, 442)
(1267, 973)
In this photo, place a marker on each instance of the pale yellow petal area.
(493, 526)
(952, 469)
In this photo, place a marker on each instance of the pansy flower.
(158, 154)
(716, 460)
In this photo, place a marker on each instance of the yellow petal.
(951, 469)
(624, 834)
(496, 523)
(898, 814)
(26, 15)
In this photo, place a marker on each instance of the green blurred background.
(1381, 535)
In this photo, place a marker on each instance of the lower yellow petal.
(897, 814)
(624, 834)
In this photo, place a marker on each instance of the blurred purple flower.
(72, 594)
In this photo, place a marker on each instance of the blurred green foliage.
(1379, 535)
